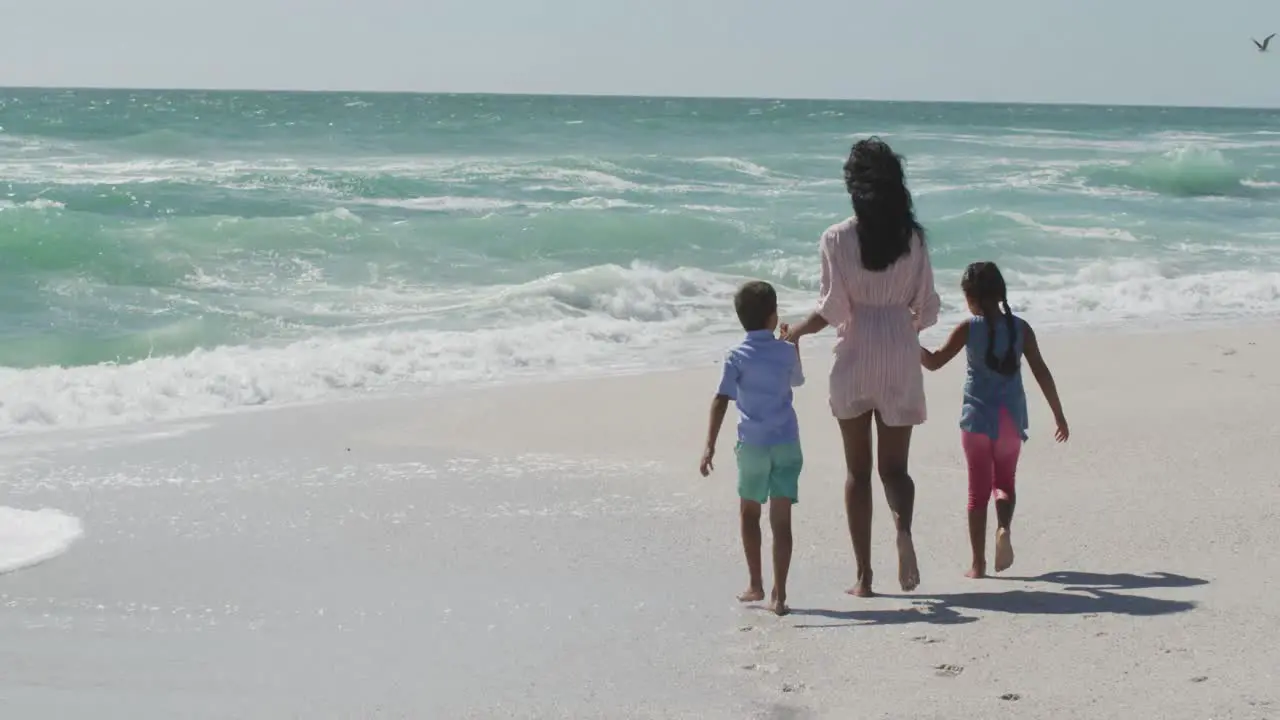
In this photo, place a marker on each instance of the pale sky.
(1121, 51)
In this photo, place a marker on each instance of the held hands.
(786, 335)
(707, 465)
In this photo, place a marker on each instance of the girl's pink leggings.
(992, 463)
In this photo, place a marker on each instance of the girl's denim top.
(987, 391)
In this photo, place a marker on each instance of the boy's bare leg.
(780, 523)
(749, 514)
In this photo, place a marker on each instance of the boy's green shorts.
(769, 471)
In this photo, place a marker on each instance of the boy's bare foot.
(778, 603)
(977, 572)
(752, 595)
(908, 569)
(1004, 550)
(863, 587)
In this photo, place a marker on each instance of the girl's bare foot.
(863, 587)
(977, 572)
(752, 595)
(778, 603)
(1004, 550)
(908, 569)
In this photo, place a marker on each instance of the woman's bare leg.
(856, 434)
(893, 449)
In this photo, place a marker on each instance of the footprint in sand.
(925, 640)
(1199, 678)
(948, 670)
(1011, 697)
(793, 687)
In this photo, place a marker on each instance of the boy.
(758, 376)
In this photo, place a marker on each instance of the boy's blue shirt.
(758, 376)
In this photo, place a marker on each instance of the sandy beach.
(549, 551)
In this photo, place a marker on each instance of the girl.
(994, 415)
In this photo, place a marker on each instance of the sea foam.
(1190, 170)
(600, 319)
(30, 537)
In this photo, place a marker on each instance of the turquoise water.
(167, 254)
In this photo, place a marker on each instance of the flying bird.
(1262, 46)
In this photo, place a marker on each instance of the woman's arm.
(955, 343)
(797, 371)
(1044, 378)
(925, 303)
(833, 294)
(810, 325)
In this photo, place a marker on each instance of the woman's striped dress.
(877, 317)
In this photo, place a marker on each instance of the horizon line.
(629, 96)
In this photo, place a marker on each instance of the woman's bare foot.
(1004, 550)
(863, 587)
(977, 572)
(778, 603)
(908, 569)
(752, 595)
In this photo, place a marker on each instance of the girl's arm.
(1031, 351)
(943, 355)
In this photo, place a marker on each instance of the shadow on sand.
(1081, 594)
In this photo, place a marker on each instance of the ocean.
(173, 254)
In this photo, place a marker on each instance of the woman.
(877, 291)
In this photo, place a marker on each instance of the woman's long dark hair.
(983, 284)
(885, 214)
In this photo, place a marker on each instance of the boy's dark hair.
(984, 285)
(755, 302)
